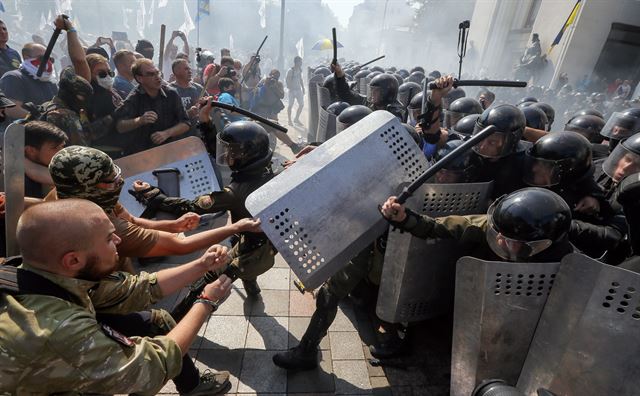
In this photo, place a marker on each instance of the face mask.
(30, 65)
(106, 82)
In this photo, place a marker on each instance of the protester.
(124, 82)
(9, 58)
(295, 85)
(188, 90)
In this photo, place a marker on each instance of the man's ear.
(73, 261)
(31, 152)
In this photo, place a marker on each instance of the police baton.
(449, 158)
(249, 114)
(482, 83)
(335, 47)
(370, 62)
(49, 50)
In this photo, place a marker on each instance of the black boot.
(305, 355)
(251, 287)
(394, 344)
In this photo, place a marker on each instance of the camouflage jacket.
(49, 345)
(78, 128)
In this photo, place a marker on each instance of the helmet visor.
(451, 118)
(508, 248)
(496, 145)
(374, 95)
(621, 162)
(404, 97)
(542, 172)
(620, 126)
(226, 153)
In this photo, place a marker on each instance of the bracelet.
(206, 300)
(72, 30)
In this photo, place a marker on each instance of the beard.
(91, 271)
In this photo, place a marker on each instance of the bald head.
(33, 50)
(49, 230)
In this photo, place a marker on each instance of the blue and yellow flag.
(572, 17)
(203, 7)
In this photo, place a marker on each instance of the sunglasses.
(151, 74)
(104, 74)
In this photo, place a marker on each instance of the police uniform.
(49, 345)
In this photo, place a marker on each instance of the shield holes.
(277, 227)
(508, 275)
(272, 220)
(517, 293)
(507, 292)
(553, 275)
(519, 275)
(636, 316)
(281, 213)
(508, 287)
(615, 284)
(612, 291)
(606, 305)
(286, 210)
(519, 281)
(538, 294)
(621, 310)
(277, 217)
(626, 296)
(624, 303)
(282, 223)
(519, 287)
(282, 234)
(631, 289)
(608, 298)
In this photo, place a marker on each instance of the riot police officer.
(460, 108)
(350, 116)
(244, 147)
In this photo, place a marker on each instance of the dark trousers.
(140, 324)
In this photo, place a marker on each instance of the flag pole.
(198, 24)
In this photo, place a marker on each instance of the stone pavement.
(245, 332)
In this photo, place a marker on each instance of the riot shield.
(13, 168)
(418, 275)
(323, 210)
(324, 97)
(497, 308)
(326, 125)
(189, 156)
(313, 106)
(587, 340)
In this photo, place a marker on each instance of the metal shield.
(189, 156)
(497, 308)
(362, 85)
(13, 168)
(323, 210)
(326, 125)
(418, 276)
(587, 340)
(313, 106)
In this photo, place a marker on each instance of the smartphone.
(119, 36)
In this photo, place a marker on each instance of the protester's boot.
(251, 287)
(394, 343)
(305, 355)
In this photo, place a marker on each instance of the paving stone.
(259, 374)
(319, 380)
(301, 304)
(169, 389)
(236, 304)
(345, 320)
(268, 333)
(279, 262)
(271, 303)
(225, 332)
(297, 327)
(274, 279)
(346, 346)
(351, 377)
(220, 360)
(380, 386)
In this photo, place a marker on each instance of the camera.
(464, 25)
(231, 72)
(198, 54)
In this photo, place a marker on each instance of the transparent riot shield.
(323, 210)
(587, 340)
(313, 106)
(326, 126)
(497, 308)
(13, 168)
(188, 156)
(418, 275)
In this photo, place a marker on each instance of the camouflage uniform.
(49, 345)
(64, 112)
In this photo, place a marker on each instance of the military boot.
(305, 355)
(394, 344)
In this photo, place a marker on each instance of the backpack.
(18, 281)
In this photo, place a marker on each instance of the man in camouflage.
(87, 336)
(67, 110)
(88, 173)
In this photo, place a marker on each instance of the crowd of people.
(75, 314)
